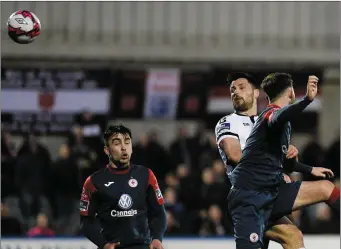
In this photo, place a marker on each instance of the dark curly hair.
(275, 84)
(237, 75)
(114, 129)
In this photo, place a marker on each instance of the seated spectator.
(212, 192)
(182, 171)
(65, 171)
(219, 171)
(41, 229)
(172, 203)
(8, 161)
(173, 226)
(212, 224)
(171, 180)
(180, 148)
(191, 184)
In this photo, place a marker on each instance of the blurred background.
(160, 68)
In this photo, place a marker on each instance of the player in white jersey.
(237, 126)
(232, 132)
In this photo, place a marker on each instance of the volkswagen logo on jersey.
(125, 201)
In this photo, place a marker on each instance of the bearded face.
(242, 94)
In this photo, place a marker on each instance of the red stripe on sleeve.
(153, 182)
(269, 114)
(87, 191)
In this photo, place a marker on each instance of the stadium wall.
(311, 242)
(307, 32)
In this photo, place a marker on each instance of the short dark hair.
(274, 84)
(238, 75)
(114, 129)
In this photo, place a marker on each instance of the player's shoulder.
(97, 174)
(143, 171)
(267, 111)
(226, 119)
(140, 169)
(227, 122)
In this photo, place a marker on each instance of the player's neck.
(251, 112)
(114, 166)
(280, 102)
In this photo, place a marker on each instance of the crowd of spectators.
(40, 197)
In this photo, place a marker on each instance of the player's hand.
(312, 87)
(286, 178)
(111, 245)
(292, 152)
(322, 172)
(156, 244)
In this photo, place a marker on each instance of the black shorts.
(138, 247)
(250, 212)
(134, 247)
(285, 200)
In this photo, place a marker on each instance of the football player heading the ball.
(23, 26)
(121, 205)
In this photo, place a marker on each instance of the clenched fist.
(111, 245)
(156, 244)
(312, 87)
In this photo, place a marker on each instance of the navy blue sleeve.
(292, 165)
(90, 226)
(276, 116)
(156, 210)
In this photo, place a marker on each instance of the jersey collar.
(273, 105)
(118, 171)
(239, 114)
(244, 115)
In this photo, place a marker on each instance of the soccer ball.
(23, 26)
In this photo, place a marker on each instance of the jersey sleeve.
(154, 194)
(226, 128)
(87, 204)
(156, 211)
(279, 116)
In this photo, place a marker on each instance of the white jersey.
(236, 126)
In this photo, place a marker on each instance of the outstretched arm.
(276, 116)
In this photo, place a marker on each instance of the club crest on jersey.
(133, 183)
(227, 126)
(254, 237)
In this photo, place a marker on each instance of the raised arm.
(280, 116)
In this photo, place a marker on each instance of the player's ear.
(290, 92)
(106, 150)
(256, 93)
(267, 98)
